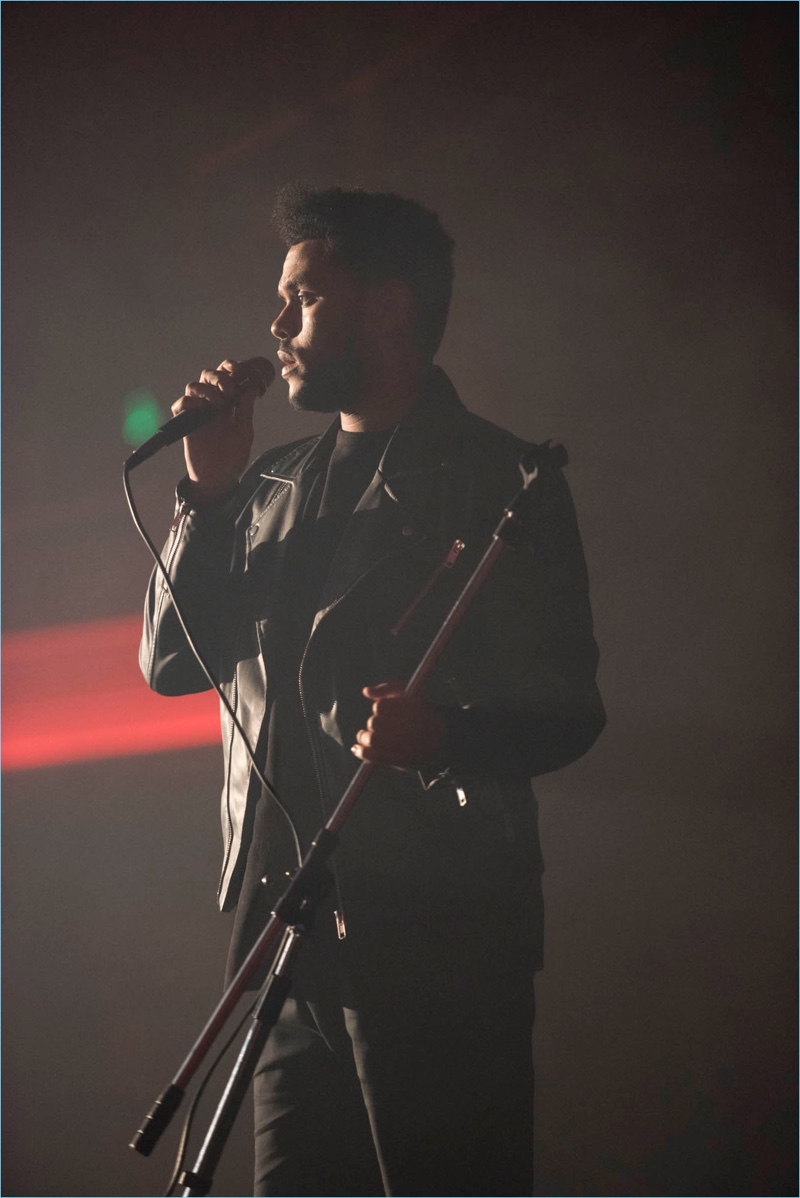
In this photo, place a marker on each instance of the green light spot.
(142, 416)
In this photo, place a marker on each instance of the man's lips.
(289, 363)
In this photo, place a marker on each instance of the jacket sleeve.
(524, 682)
(197, 556)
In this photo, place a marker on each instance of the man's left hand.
(401, 731)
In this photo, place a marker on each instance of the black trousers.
(425, 1087)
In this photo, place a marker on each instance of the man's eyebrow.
(294, 283)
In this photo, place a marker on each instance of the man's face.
(320, 330)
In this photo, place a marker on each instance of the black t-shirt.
(289, 765)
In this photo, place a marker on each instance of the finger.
(196, 395)
(390, 719)
(381, 746)
(367, 753)
(387, 743)
(240, 386)
(384, 690)
(384, 755)
(243, 379)
(394, 708)
(208, 391)
(222, 380)
(234, 375)
(383, 722)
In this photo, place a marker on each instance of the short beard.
(335, 385)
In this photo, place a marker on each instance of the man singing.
(313, 582)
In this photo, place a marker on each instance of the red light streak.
(74, 693)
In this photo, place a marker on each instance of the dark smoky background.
(620, 182)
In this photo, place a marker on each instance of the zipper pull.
(341, 930)
(447, 563)
(181, 512)
(455, 549)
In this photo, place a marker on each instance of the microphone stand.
(294, 912)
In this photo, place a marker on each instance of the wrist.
(198, 497)
(201, 495)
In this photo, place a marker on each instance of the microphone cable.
(202, 662)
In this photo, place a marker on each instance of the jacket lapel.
(393, 515)
(379, 527)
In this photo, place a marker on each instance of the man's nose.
(284, 325)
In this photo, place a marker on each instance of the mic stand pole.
(509, 532)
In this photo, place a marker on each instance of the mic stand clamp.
(304, 902)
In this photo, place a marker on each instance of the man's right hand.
(218, 452)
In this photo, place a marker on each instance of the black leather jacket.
(516, 686)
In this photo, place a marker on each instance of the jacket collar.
(417, 443)
(415, 446)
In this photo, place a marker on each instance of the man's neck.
(383, 404)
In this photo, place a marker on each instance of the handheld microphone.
(255, 372)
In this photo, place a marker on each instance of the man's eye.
(306, 298)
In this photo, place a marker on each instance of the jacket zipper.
(234, 702)
(229, 825)
(178, 521)
(446, 563)
(178, 525)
